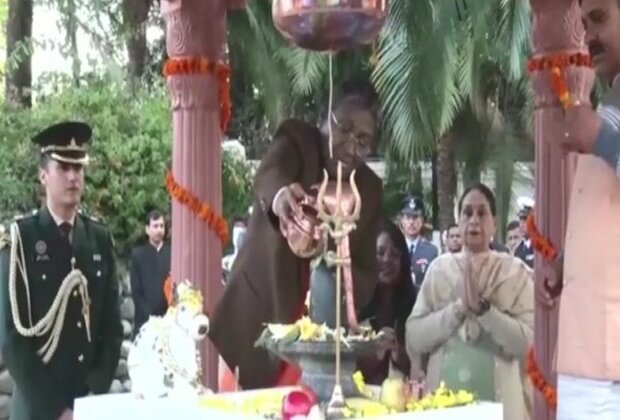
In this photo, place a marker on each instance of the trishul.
(338, 224)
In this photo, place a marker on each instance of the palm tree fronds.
(308, 68)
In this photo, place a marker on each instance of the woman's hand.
(387, 343)
(470, 291)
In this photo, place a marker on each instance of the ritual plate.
(317, 361)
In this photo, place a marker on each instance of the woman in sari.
(390, 305)
(474, 315)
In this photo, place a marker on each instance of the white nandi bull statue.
(163, 359)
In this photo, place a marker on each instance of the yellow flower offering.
(363, 407)
(309, 331)
(441, 398)
(266, 404)
(360, 385)
(218, 403)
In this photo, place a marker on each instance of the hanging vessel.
(329, 25)
(302, 232)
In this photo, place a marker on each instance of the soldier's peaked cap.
(65, 142)
(413, 205)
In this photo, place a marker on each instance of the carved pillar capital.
(556, 26)
(196, 91)
(557, 29)
(194, 28)
(579, 81)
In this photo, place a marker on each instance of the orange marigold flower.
(202, 210)
(202, 65)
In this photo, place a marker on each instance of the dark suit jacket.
(44, 391)
(149, 269)
(496, 246)
(425, 252)
(525, 253)
(264, 284)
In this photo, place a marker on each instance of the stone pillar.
(556, 28)
(197, 29)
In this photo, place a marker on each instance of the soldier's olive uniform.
(87, 323)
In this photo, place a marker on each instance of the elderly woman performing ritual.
(474, 314)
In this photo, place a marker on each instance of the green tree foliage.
(131, 150)
(4, 11)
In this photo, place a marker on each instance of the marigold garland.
(556, 65)
(202, 65)
(539, 381)
(539, 242)
(544, 246)
(193, 66)
(204, 211)
(168, 290)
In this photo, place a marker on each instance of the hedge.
(131, 149)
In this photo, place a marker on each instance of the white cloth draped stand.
(128, 407)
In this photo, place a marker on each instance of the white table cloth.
(128, 407)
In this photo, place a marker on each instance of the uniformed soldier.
(421, 252)
(60, 324)
(524, 250)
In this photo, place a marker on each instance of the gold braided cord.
(71, 147)
(53, 320)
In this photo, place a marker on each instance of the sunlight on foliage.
(436, 58)
(4, 11)
(131, 150)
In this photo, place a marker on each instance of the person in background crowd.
(524, 250)
(474, 316)
(390, 306)
(497, 246)
(453, 239)
(48, 250)
(149, 268)
(421, 252)
(238, 237)
(513, 236)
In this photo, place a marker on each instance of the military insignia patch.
(40, 247)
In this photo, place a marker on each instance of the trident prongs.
(338, 224)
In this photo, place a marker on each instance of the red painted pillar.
(556, 29)
(197, 29)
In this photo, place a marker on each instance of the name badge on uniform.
(96, 257)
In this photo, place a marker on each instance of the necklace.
(171, 366)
